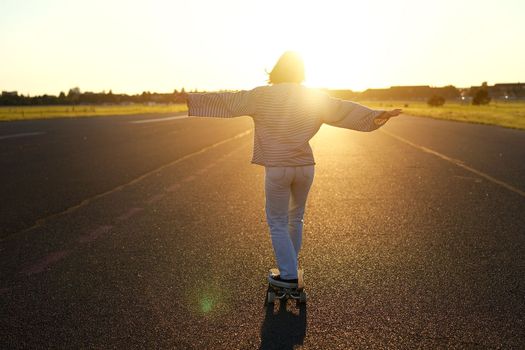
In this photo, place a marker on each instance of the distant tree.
(481, 98)
(74, 91)
(73, 96)
(480, 95)
(436, 101)
(62, 99)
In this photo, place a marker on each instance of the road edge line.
(457, 162)
(23, 134)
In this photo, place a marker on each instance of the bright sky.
(48, 46)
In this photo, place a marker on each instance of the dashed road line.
(96, 233)
(129, 213)
(46, 262)
(24, 134)
(457, 162)
(87, 201)
(173, 187)
(156, 120)
(155, 198)
(189, 178)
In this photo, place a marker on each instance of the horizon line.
(215, 90)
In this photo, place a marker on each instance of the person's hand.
(385, 116)
(392, 113)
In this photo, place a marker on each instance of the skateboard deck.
(278, 292)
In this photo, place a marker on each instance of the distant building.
(9, 93)
(502, 91)
(520, 86)
(418, 92)
(508, 91)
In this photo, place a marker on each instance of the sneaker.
(277, 281)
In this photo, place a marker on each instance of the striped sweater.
(286, 116)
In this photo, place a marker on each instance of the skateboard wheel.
(271, 297)
(302, 297)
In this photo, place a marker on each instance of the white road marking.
(45, 262)
(87, 201)
(128, 214)
(159, 119)
(155, 198)
(24, 134)
(94, 234)
(458, 163)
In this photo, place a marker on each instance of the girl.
(286, 116)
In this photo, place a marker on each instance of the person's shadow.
(284, 329)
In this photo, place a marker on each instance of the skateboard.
(278, 292)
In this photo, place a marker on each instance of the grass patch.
(507, 114)
(47, 112)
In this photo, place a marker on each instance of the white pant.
(286, 191)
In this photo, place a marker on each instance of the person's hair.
(288, 69)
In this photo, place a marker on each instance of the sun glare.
(161, 45)
(335, 40)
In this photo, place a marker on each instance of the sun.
(335, 40)
(330, 66)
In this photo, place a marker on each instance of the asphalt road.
(117, 234)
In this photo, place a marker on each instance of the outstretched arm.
(351, 115)
(221, 104)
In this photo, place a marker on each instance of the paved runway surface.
(117, 234)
